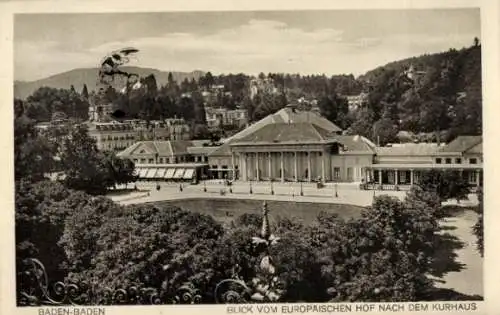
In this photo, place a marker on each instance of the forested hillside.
(441, 96)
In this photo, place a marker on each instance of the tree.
(446, 184)
(85, 92)
(33, 153)
(476, 42)
(143, 246)
(85, 167)
(41, 210)
(384, 256)
(121, 171)
(385, 131)
(199, 108)
(363, 123)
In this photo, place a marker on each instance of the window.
(214, 166)
(438, 161)
(151, 161)
(472, 161)
(206, 158)
(167, 160)
(458, 161)
(143, 161)
(336, 173)
(472, 177)
(161, 160)
(448, 160)
(135, 160)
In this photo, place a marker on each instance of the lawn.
(225, 210)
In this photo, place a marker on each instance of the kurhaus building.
(293, 145)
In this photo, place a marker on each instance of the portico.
(405, 175)
(295, 163)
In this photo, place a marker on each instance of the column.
(232, 161)
(396, 177)
(380, 177)
(257, 165)
(295, 166)
(244, 169)
(478, 173)
(269, 168)
(411, 177)
(308, 166)
(282, 169)
(323, 167)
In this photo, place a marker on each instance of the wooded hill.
(440, 99)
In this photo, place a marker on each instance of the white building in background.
(220, 117)
(111, 136)
(265, 85)
(356, 101)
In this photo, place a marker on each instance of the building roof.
(285, 116)
(356, 144)
(285, 132)
(464, 143)
(201, 150)
(162, 148)
(408, 149)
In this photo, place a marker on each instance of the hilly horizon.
(89, 76)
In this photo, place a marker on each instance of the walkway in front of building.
(341, 193)
(344, 193)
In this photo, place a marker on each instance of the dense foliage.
(383, 256)
(442, 98)
(447, 184)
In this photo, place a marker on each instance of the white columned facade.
(269, 168)
(257, 166)
(295, 166)
(282, 169)
(309, 166)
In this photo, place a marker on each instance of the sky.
(306, 42)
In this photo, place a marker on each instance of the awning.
(161, 173)
(142, 172)
(178, 173)
(151, 172)
(189, 174)
(170, 173)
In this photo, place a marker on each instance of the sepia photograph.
(241, 157)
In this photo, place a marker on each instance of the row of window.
(457, 161)
(167, 160)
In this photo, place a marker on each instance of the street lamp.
(250, 183)
(336, 192)
(272, 188)
(301, 190)
(204, 186)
